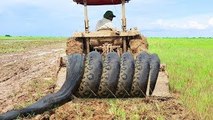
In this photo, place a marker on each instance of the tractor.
(117, 64)
(101, 64)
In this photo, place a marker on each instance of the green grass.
(117, 111)
(19, 44)
(190, 66)
(28, 38)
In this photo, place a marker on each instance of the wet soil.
(23, 81)
(17, 70)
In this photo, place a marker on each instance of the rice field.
(22, 43)
(190, 66)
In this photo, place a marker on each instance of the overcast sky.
(176, 18)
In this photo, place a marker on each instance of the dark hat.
(109, 14)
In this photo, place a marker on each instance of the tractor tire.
(74, 75)
(92, 76)
(109, 78)
(141, 76)
(154, 70)
(126, 75)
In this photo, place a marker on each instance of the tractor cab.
(105, 41)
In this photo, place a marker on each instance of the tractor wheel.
(154, 70)
(109, 79)
(72, 82)
(126, 75)
(92, 76)
(141, 76)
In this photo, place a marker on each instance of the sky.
(154, 18)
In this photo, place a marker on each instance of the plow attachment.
(95, 76)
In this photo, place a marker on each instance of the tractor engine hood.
(100, 2)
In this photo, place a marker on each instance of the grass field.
(18, 44)
(190, 66)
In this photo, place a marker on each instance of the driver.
(106, 22)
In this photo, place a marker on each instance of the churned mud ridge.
(149, 108)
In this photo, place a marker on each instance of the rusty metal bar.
(86, 20)
(88, 45)
(124, 45)
(123, 16)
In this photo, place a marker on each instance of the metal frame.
(86, 20)
(124, 25)
(123, 16)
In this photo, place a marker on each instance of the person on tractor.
(106, 22)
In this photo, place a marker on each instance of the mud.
(150, 108)
(16, 70)
(41, 65)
